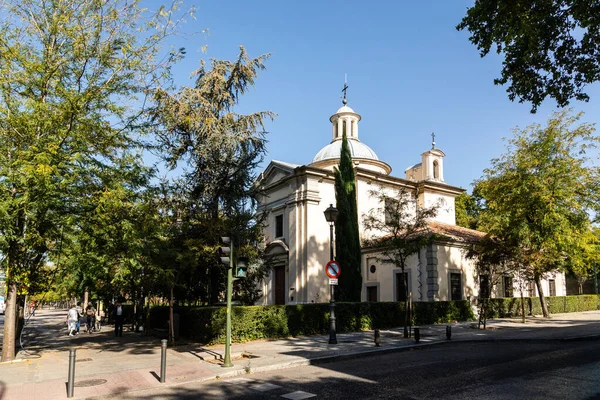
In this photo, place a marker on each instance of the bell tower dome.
(346, 120)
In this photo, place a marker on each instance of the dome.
(345, 109)
(334, 149)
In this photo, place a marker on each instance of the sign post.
(333, 271)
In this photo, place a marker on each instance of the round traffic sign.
(333, 269)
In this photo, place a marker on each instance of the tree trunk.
(406, 306)
(538, 283)
(10, 323)
(86, 298)
(522, 304)
(171, 325)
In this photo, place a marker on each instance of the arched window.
(352, 128)
(436, 170)
(344, 128)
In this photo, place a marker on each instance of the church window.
(373, 269)
(279, 226)
(344, 127)
(508, 286)
(436, 170)
(400, 286)
(372, 293)
(352, 123)
(484, 287)
(455, 286)
(552, 287)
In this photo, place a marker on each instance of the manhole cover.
(90, 382)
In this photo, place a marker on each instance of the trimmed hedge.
(207, 324)
(511, 307)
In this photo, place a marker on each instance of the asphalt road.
(550, 370)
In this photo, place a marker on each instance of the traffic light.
(225, 250)
(241, 268)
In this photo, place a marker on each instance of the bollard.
(377, 336)
(448, 332)
(71, 378)
(163, 360)
(417, 334)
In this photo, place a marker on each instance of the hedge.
(207, 324)
(511, 307)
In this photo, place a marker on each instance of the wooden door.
(279, 289)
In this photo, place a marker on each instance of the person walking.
(90, 314)
(72, 318)
(119, 317)
(79, 315)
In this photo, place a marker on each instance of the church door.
(279, 289)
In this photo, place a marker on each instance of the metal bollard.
(71, 378)
(417, 335)
(163, 360)
(377, 336)
(448, 332)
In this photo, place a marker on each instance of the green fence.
(207, 324)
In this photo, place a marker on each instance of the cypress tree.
(347, 240)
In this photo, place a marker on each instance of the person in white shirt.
(72, 318)
(119, 319)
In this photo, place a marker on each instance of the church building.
(297, 233)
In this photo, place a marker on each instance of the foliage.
(399, 228)
(511, 307)
(347, 243)
(207, 324)
(215, 195)
(467, 209)
(538, 196)
(550, 48)
(73, 80)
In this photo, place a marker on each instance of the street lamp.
(331, 214)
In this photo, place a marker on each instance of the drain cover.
(90, 382)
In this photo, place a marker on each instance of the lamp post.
(331, 214)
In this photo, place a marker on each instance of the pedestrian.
(90, 314)
(72, 318)
(119, 319)
(79, 315)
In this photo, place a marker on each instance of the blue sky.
(409, 73)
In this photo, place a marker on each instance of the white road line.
(298, 395)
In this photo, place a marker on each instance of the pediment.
(275, 172)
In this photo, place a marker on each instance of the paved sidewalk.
(107, 365)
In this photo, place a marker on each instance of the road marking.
(264, 387)
(298, 395)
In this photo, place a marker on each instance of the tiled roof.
(456, 232)
(442, 231)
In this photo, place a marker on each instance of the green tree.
(538, 195)
(550, 47)
(199, 127)
(347, 240)
(400, 229)
(467, 209)
(73, 78)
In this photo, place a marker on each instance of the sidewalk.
(107, 365)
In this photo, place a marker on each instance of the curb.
(362, 354)
(376, 352)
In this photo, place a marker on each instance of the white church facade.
(297, 234)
